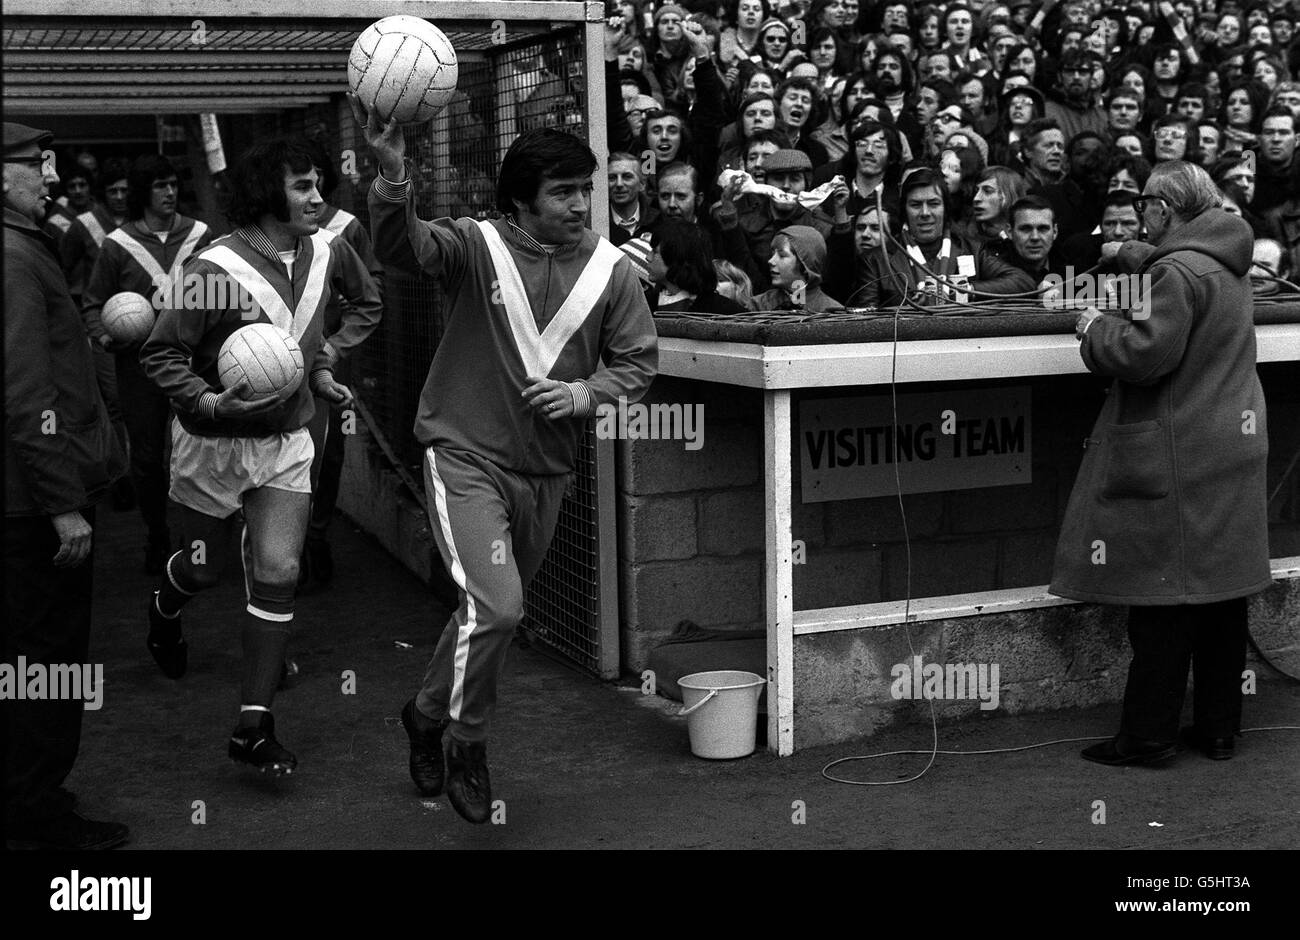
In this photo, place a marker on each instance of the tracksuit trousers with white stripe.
(493, 527)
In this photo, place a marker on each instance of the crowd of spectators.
(824, 153)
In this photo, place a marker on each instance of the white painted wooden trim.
(779, 581)
(952, 606)
(597, 133)
(945, 360)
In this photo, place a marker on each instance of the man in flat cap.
(60, 459)
(748, 223)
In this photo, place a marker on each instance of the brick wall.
(692, 522)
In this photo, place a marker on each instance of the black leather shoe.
(468, 786)
(1213, 748)
(69, 832)
(1119, 751)
(258, 747)
(166, 645)
(428, 769)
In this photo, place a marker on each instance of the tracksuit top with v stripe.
(181, 353)
(132, 259)
(515, 309)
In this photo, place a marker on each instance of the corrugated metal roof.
(68, 63)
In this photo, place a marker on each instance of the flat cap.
(20, 135)
(784, 161)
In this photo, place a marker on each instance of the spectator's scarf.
(810, 199)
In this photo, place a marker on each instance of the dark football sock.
(265, 642)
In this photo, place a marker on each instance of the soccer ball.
(403, 67)
(265, 355)
(128, 317)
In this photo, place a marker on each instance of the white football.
(403, 67)
(128, 317)
(264, 354)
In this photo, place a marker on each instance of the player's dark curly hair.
(257, 178)
(535, 154)
(144, 172)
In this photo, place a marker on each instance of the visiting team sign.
(848, 447)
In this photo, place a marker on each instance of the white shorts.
(211, 474)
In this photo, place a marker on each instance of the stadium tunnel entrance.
(168, 77)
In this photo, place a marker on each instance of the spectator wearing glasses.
(1174, 139)
(775, 49)
(1074, 108)
(1180, 502)
(1021, 106)
(872, 166)
(53, 482)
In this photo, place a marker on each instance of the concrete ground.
(585, 764)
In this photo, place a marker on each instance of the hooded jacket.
(1169, 506)
(810, 248)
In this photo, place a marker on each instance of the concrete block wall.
(683, 514)
(1051, 658)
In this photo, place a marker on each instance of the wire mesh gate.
(515, 75)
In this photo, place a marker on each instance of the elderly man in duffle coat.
(1169, 513)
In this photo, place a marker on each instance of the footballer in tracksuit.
(327, 424)
(143, 256)
(78, 251)
(536, 302)
(231, 454)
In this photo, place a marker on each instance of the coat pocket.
(1137, 462)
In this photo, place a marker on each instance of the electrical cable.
(991, 750)
(907, 544)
